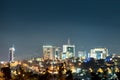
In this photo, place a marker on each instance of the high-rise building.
(57, 53)
(48, 52)
(99, 53)
(51, 52)
(68, 50)
(11, 54)
(82, 54)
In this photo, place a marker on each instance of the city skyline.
(30, 24)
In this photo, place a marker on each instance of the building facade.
(47, 52)
(11, 54)
(82, 54)
(57, 53)
(68, 51)
(51, 52)
(98, 53)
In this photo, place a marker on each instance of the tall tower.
(11, 54)
(57, 52)
(48, 52)
(68, 50)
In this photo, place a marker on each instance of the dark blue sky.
(29, 24)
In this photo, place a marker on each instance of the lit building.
(11, 54)
(68, 51)
(82, 54)
(51, 52)
(48, 52)
(99, 53)
(57, 52)
(63, 55)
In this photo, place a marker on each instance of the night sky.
(29, 24)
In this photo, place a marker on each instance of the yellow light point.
(14, 72)
(64, 71)
(109, 70)
(56, 72)
(100, 70)
(49, 71)
(25, 65)
(19, 73)
(73, 70)
(90, 69)
(117, 69)
(57, 67)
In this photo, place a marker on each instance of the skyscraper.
(99, 53)
(57, 52)
(82, 54)
(68, 50)
(48, 52)
(11, 54)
